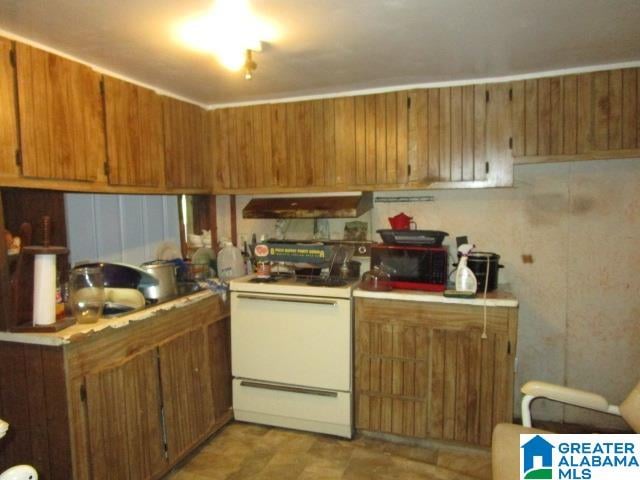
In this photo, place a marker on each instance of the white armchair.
(19, 472)
(559, 393)
(505, 449)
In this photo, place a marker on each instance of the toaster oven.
(413, 267)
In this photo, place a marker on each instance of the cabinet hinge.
(83, 393)
(509, 347)
(486, 93)
(408, 102)
(511, 94)
(486, 167)
(511, 143)
(107, 170)
(12, 57)
(19, 158)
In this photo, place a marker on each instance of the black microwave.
(413, 267)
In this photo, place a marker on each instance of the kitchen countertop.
(497, 298)
(80, 331)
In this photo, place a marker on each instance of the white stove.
(291, 353)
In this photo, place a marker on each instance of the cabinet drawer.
(287, 406)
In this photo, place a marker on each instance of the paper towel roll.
(44, 290)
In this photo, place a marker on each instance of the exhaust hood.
(316, 206)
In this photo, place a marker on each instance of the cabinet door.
(186, 162)
(391, 376)
(124, 419)
(578, 116)
(447, 134)
(186, 389)
(134, 134)
(381, 140)
(469, 388)
(61, 117)
(8, 123)
(424, 370)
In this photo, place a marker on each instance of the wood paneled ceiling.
(330, 46)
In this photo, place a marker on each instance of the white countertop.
(497, 298)
(69, 334)
(291, 286)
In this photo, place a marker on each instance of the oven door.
(294, 340)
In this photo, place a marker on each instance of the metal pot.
(477, 262)
(165, 273)
(121, 275)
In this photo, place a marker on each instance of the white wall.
(119, 228)
(580, 298)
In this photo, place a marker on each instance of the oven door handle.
(285, 388)
(288, 299)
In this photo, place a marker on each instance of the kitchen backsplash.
(120, 228)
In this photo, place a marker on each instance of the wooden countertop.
(79, 331)
(497, 298)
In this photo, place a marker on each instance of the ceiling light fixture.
(249, 65)
(231, 32)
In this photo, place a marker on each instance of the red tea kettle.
(402, 222)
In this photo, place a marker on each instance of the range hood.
(350, 205)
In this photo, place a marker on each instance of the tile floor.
(246, 451)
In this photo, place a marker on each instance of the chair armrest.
(572, 396)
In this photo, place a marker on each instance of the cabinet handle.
(285, 388)
(288, 300)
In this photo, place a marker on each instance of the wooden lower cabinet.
(125, 403)
(424, 370)
(124, 415)
(187, 394)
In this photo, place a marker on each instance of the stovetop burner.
(265, 279)
(327, 282)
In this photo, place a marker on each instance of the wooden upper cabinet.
(577, 116)
(381, 139)
(460, 136)
(8, 121)
(446, 134)
(61, 117)
(134, 134)
(449, 137)
(283, 146)
(186, 159)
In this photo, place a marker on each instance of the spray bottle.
(465, 279)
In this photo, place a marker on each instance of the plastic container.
(465, 279)
(230, 262)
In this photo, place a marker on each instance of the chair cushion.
(630, 409)
(505, 450)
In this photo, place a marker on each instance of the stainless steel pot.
(165, 273)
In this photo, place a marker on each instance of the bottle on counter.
(230, 262)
